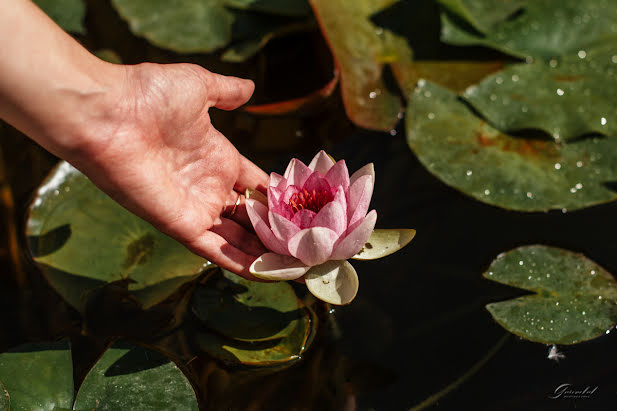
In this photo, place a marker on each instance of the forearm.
(50, 86)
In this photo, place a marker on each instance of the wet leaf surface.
(545, 29)
(128, 377)
(283, 7)
(574, 298)
(483, 14)
(502, 170)
(567, 97)
(361, 50)
(82, 240)
(68, 14)
(37, 376)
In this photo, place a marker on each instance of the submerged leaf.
(361, 50)
(566, 97)
(384, 242)
(509, 172)
(575, 299)
(82, 240)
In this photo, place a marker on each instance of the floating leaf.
(82, 240)
(189, 26)
(546, 28)
(454, 75)
(335, 282)
(566, 97)
(68, 14)
(360, 51)
(283, 7)
(510, 172)
(108, 55)
(575, 299)
(37, 376)
(483, 14)
(133, 378)
(247, 310)
(385, 242)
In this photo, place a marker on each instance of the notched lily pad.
(335, 282)
(83, 240)
(383, 242)
(509, 172)
(575, 299)
(360, 50)
(567, 97)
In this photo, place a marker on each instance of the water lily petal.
(368, 169)
(297, 173)
(353, 242)
(316, 182)
(313, 245)
(303, 218)
(275, 180)
(271, 266)
(258, 214)
(321, 162)
(335, 282)
(276, 205)
(288, 193)
(338, 175)
(282, 228)
(359, 198)
(333, 215)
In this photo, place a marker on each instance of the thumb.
(227, 92)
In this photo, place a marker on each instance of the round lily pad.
(83, 240)
(510, 172)
(574, 298)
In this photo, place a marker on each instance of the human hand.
(155, 151)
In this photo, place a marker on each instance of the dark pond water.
(418, 323)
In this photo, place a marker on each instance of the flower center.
(310, 200)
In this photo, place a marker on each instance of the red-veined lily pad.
(574, 298)
(68, 14)
(360, 51)
(510, 172)
(83, 240)
(40, 377)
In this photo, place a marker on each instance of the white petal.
(384, 242)
(271, 266)
(334, 282)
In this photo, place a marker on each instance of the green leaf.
(282, 7)
(133, 378)
(68, 14)
(247, 310)
(187, 26)
(82, 240)
(361, 50)
(37, 376)
(575, 299)
(509, 172)
(546, 28)
(385, 242)
(566, 97)
(483, 14)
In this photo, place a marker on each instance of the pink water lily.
(315, 219)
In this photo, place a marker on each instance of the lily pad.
(360, 51)
(247, 310)
(188, 26)
(83, 240)
(37, 376)
(134, 378)
(40, 377)
(283, 7)
(575, 299)
(546, 29)
(383, 242)
(483, 14)
(567, 97)
(502, 170)
(68, 14)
